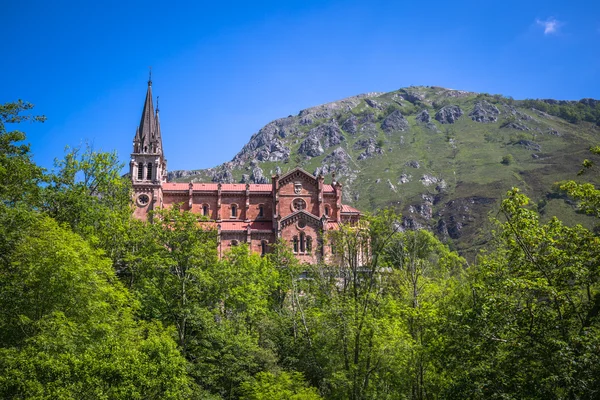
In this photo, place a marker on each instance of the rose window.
(299, 204)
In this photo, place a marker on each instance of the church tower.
(148, 166)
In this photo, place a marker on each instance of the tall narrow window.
(263, 247)
(261, 210)
(295, 244)
(327, 211)
(308, 244)
(302, 247)
(205, 210)
(149, 173)
(140, 171)
(233, 211)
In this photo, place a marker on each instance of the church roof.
(349, 210)
(225, 187)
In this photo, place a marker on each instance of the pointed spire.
(158, 132)
(147, 129)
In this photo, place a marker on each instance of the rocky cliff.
(437, 155)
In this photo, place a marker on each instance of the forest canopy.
(95, 304)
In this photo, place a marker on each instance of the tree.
(19, 177)
(67, 328)
(279, 386)
(529, 328)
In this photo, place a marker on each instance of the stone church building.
(297, 207)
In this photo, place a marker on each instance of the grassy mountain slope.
(442, 157)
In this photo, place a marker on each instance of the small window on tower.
(327, 211)
(140, 174)
(149, 174)
(233, 211)
(302, 248)
(295, 244)
(261, 210)
(205, 210)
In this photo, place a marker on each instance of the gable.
(302, 215)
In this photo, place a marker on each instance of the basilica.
(296, 207)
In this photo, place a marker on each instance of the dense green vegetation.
(97, 305)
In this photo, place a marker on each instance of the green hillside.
(442, 157)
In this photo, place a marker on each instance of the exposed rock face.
(350, 125)
(516, 125)
(529, 145)
(412, 164)
(484, 112)
(373, 104)
(368, 117)
(404, 178)
(394, 122)
(223, 176)
(370, 148)
(423, 116)
(311, 147)
(369, 129)
(329, 134)
(181, 174)
(518, 114)
(245, 178)
(266, 145)
(428, 180)
(258, 176)
(457, 216)
(413, 96)
(338, 161)
(448, 114)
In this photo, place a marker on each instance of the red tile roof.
(242, 226)
(348, 209)
(226, 187)
(328, 189)
(332, 225)
(175, 186)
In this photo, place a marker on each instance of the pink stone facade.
(296, 207)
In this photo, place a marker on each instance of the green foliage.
(508, 159)
(530, 324)
(68, 331)
(574, 112)
(279, 386)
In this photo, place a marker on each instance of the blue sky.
(225, 69)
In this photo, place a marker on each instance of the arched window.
(205, 210)
(309, 244)
(261, 210)
(263, 247)
(327, 211)
(302, 242)
(149, 173)
(234, 211)
(295, 244)
(140, 171)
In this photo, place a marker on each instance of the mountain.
(442, 157)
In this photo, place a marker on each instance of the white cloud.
(550, 25)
